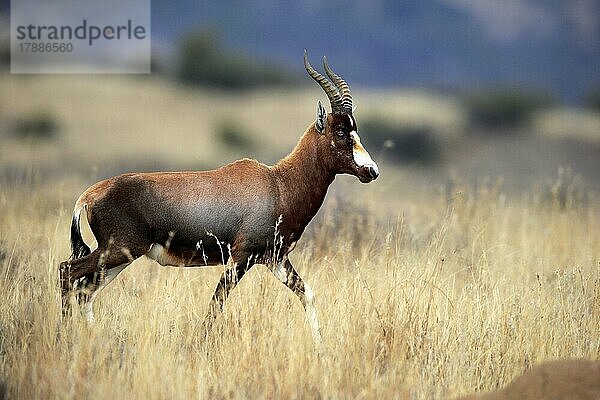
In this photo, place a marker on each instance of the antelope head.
(338, 130)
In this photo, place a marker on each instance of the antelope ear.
(321, 118)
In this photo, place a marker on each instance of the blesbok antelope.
(241, 214)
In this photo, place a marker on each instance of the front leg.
(229, 280)
(287, 274)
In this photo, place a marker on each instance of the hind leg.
(74, 274)
(86, 276)
(91, 288)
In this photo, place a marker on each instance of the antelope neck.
(302, 179)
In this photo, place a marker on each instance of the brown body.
(243, 213)
(206, 217)
(195, 216)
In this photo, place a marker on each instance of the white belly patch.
(158, 253)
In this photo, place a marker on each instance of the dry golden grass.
(457, 295)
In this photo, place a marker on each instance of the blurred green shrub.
(401, 143)
(234, 136)
(202, 61)
(37, 125)
(504, 108)
(592, 100)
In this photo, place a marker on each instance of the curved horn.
(335, 99)
(341, 85)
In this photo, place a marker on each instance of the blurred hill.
(95, 126)
(449, 44)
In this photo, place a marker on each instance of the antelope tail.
(78, 246)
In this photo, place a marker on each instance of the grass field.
(423, 290)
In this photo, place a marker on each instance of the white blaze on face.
(361, 155)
